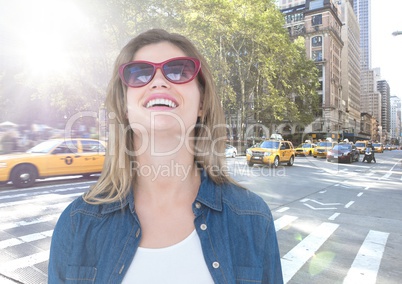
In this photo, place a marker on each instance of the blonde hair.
(117, 176)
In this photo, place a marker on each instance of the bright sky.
(386, 50)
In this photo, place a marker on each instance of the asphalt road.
(336, 223)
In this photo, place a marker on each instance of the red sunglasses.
(178, 70)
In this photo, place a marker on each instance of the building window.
(316, 41)
(316, 55)
(319, 67)
(316, 4)
(316, 20)
(320, 88)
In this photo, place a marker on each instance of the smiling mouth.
(161, 103)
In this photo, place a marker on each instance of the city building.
(350, 70)
(384, 90)
(370, 98)
(362, 9)
(283, 4)
(395, 121)
(331, 31)
(338, 39)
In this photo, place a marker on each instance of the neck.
(166, 168)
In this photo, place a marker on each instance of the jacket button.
(203, 227)
(215, 264)
(198, 205)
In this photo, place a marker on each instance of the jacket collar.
(209, 194)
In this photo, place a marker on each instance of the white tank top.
(181, 263)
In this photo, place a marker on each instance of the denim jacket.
(96, 243)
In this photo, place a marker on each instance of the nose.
(159, 80)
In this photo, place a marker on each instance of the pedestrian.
(164, 209)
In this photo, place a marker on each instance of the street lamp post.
(397, 33)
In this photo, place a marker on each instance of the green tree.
(260, 74)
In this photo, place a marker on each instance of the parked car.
(230, 151)
(343, 152)
(55, 157)
(271, 152)
(305, 149)
(322, 148)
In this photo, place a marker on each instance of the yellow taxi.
(361, 146)
(378, 147)
(271, 152)
(322, 148)
(55, 157)
(305, 149)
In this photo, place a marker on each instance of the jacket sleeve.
(272, 273)
(61, 246)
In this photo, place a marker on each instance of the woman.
(164, 209)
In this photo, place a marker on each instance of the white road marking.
(301, 253)
(386, 176)
(323, 208)
(48, 197)
(283, 209)
(367, 262)
(30, 194)
(25, 239)
(325, 204)
(26, 261)
(10, 225)
(349, 204)
(360, 194)
(283, 222)
(334, 216)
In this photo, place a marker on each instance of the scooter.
(368, 155)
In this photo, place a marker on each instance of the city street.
(336, 223)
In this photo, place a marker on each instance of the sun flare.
(45, 31)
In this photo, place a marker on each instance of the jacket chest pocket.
(81, 274)
(248, 275)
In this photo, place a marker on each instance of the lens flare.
(320, 262)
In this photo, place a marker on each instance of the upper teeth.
(165, 102)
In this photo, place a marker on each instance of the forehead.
(158, 52)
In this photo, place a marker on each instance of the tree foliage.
(260, 74)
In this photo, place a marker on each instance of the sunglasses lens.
(138, 74)
(180, 71)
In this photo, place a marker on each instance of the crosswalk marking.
(302, 252)
(31, 194)
(25, 239)
(26, 261)
(49, 197)
(11, 225)
(283, 221)
(367, 262)
(363, 270)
